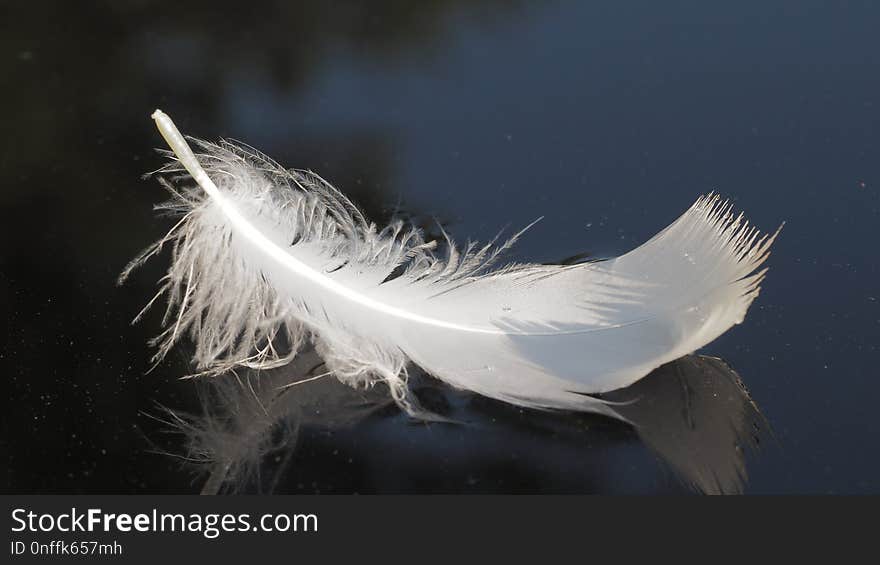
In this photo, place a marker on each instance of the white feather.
(266, 259)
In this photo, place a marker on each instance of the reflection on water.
(694, 414)
(697, 415)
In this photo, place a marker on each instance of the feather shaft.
(184, 153)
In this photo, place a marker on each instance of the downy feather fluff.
(266, 260)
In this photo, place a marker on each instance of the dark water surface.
(608, 121)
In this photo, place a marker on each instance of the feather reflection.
(695, 414)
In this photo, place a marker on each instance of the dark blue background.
(607, 119)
